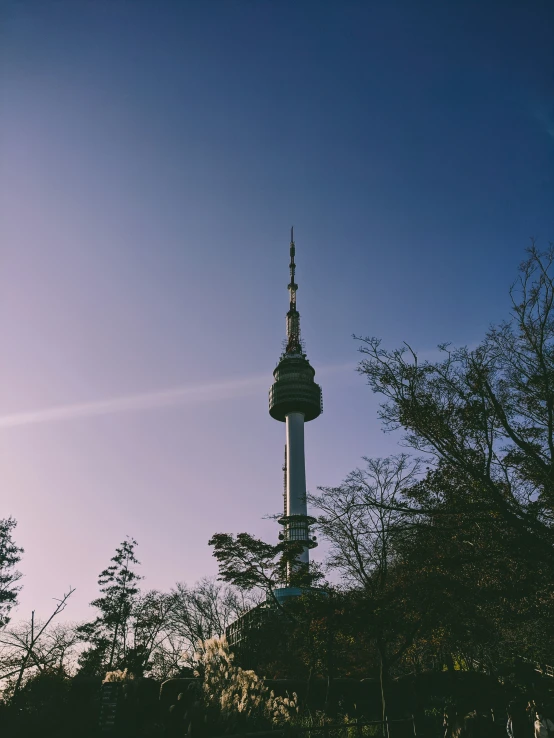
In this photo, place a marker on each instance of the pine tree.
(108, 633)
(10, 555)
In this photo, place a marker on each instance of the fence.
(543, 669)
(401, 728)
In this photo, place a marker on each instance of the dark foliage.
(107, 634)
(10, 555)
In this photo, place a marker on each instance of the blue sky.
(153, 158)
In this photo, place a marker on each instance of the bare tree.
(37, 646)
(488, 412)
(148, 629)
(167, 658)
(204, 611)
(361, 516)
(360, 520)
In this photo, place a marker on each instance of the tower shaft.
(297, 509)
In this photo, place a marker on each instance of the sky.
(153, 157)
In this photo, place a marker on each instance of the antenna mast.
(294, 345)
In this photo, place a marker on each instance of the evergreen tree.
(10, 555)
(108, 634)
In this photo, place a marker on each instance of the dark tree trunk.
(383, 681)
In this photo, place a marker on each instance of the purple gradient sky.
(152, 159)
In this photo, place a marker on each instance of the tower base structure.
(246, 627)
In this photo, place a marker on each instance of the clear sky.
(153, 156)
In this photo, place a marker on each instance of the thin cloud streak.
(172, 397)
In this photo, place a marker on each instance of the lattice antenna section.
(294, 343)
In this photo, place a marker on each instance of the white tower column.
(296, 471)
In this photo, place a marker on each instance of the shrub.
(236, 696)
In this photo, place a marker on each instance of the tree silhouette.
(484, 420)
(10, 555)
(108, 633)
(361, 522)
(487, 412)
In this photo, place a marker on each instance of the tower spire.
(294, 344)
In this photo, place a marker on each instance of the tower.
(295, 399)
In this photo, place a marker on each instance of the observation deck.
(296, 529)
(294, 389)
